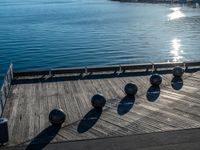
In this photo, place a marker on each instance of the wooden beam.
(115, 68)
(4, 91)
(103, 69)
(31, 73)
(191, 64)
(167, 65)
(67, 70)
(136, 66)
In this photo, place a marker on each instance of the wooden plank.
(67, 70)
(30, 73)
(103, 69)
(192, 64)
(167, 65)
(136, 67)
(4, 91)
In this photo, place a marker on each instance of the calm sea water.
(72, 33)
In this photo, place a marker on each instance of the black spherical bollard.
(3, 131)
(178, 71)
(98, 101)
(57, 116)
(156, 79)
(130, 89)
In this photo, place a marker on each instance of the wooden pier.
(29, 96)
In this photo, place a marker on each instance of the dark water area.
(37, 34)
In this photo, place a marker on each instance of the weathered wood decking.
(173, 106)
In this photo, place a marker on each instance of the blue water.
(71, 33)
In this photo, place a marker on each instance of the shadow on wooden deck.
(43, 138)
(177, 83)
(89, 120)
(125, 105)
(153, 93)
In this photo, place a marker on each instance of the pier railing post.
(120, 68)
(153, 67)
(11, 71)
(50, 73)
(86, 71)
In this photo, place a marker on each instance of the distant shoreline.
(143, 1)
(161, 1)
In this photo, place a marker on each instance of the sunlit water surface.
(39, 34)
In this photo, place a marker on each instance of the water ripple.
(59, 33)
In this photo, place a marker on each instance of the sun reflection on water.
(176, 49)
(176, 13)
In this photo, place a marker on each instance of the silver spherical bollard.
(57, 116)
(155, 79)
(98, 101)
(130, 89)
(3, 131)
(178, 71)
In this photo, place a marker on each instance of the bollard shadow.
(43, 138)
(153, 93)
(125, 105)
(177, 83)
(89, 120)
